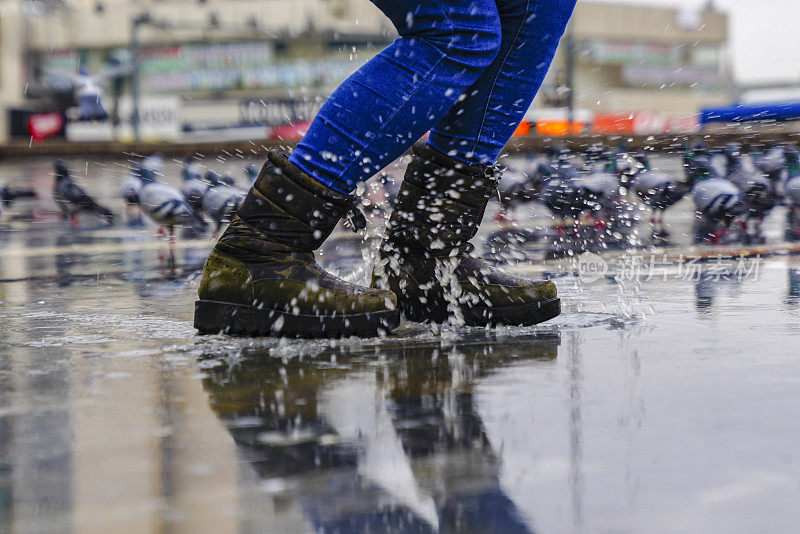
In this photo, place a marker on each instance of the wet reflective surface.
(663, 403)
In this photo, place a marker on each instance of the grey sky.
(764, 36)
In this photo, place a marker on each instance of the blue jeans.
(467, 70)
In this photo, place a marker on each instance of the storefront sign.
(277, 112)
(232, 66)
(622, 52)
(656, 75)
(159, 120)
(44, 125)
(643, 123)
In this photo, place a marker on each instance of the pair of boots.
(261, 277)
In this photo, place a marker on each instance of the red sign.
(44, 125)
(643, 123)
(613, 123)
(523, 129)
(559, 128)
(289, 132)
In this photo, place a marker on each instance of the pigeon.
(151, 166)
(130, 196)
(558, 186)
(758, 193)
(569, 191)
(88, 89)
(791, 191)
(72, 199)
(601, 189)
(717, 201)
(194, 186)
(792, 184)
(227, 179)
(166, 205)
(772, 163)
(221, 202)
(8, 195)
(129, 191)
(658, 191)
(251, 171)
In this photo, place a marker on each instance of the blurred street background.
(655, 179)
(242, 70)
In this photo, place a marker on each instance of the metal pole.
(135, 23)
(570, 75)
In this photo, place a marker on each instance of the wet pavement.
(666, 398)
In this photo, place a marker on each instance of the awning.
(784, 111)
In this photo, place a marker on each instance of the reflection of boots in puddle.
(273, 412)
(434, 414)
(292, 422)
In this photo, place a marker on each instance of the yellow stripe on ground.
(110, 247)
(710, 251)
(103, 248)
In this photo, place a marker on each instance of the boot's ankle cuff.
(441, 202)
(278, 163)
(430, 154)
(442, 175)
(287, 207)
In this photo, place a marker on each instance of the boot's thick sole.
(212, 317)
(517, 315)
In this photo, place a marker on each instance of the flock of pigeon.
(730, 189)
(203, 197)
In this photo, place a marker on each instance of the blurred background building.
(638, 69)
(249, 69)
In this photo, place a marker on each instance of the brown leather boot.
(427, 259)
(261, 277)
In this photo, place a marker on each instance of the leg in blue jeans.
(477, 128)
(488, 57)
(378, 112)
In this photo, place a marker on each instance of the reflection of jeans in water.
(488, 512)
(342, 501)
(465, 69)
(469, 499)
